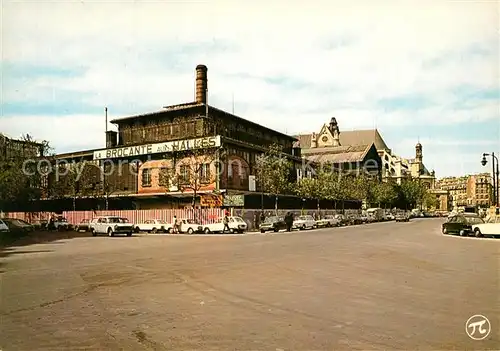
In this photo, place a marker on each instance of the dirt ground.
(387, 286)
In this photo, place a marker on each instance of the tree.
(273, 172)
(196, 170)
(359, 187)
(384, 193)
(21, 176)
(308, 188)
(430, 200)
(412, 192)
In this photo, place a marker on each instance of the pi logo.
(478, 327)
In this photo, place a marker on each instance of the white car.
(490, 228)
(153, 226)
(60, 223)
(111, 225)
(304, 222)
(190, 226)
(236, 224)
(3, 226)
(328, 221)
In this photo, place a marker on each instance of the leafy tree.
(412, 192)
(273, 172)
(430, 200)
(308, 188)
(21, 179)
(384, 193)
(194, 171)
(359, 187)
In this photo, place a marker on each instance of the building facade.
(469, 190)
(343, 152)
(10, 148)
(173, 156)
(358, 146)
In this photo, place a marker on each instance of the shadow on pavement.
(37, 238)
(8, 252)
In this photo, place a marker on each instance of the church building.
(330, 146)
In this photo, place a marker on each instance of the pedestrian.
(262, 217)
(175, 225)
(51, 224)
(226, 222)
(289, 221)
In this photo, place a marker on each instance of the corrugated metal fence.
(135, 216)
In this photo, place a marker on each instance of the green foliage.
(323, 186)
(273, 171)
(384, 193)
(333, 186)
(412, 192)
(20, 178)
(430, 201)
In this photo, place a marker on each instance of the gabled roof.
(191, 105)
(351, 137)
(338, 154)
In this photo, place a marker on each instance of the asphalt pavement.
(382, 286)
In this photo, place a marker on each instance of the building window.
(146, 177)
(205, 173)
(184, 176)
(165, 177)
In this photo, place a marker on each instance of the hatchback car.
(273, 223)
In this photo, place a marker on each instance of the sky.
(423, 71)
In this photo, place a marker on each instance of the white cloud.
(447, 142)
(342, 58)
(65, 133)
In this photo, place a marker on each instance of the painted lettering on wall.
(169, 146)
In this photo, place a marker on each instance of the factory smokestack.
(201, 84)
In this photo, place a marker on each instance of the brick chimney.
(201, 84)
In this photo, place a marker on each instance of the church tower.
(419, 159)
(418, 153)
(334, 129)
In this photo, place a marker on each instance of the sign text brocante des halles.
(148, 149)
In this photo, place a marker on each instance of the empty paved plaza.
(380, 286)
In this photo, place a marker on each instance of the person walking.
(289, 221)
(175, 225)
(226, 222)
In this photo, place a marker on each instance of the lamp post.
(496, 173)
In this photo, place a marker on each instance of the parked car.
(376, 214)
(59, 223)
(17, 225)
(83, 225)
(154, 226)
(461, 224)
(490, 228)
(190, 226)
(27, 226)
(111, 225)
(3, 226)
(272, 223)
(304, 222)
(402, 217)
(236, 224)
(390, 217)
(328, 221)
(40, 224)
(343, 220)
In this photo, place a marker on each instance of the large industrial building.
(180, 155)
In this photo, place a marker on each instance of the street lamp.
(496, 173)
